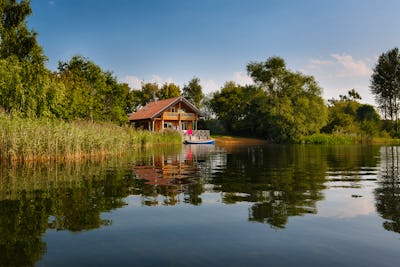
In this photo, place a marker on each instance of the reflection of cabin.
(174, 113)
(170, 170)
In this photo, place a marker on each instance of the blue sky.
(338, 41)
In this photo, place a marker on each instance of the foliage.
(227, 104)
(25, 84)
(193, 92)
(294, 103)
(348, 116)
(282, 106)
(331, 139)
(92, 93)
(385, 83)
(16, 39)
(169, 90)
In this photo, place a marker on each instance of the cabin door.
(184, 125)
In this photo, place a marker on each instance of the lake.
(206, 205)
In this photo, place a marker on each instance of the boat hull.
(199, 142)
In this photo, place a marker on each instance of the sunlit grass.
(346, 139)
(24, 139)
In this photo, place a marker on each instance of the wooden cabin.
(174, 113)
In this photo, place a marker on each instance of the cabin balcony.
(178, 116)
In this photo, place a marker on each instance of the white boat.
(200, 142)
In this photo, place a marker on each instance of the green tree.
(169, 90)
(294, 104)
(193, 92)
(385, 84)
(369, 120)
(16, 39)
(228, 105)
(133, 101)
(26, 87)
(348, 116)
(149, 91)
(92, 93)
(342, 115)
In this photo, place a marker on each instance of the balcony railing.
(178, 116)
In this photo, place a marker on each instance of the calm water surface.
(207, 206)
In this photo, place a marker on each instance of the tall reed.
(24, 139)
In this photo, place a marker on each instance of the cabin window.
(168, 125)
(172, 109)
(185, 125)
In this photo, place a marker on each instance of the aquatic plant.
(24, 139)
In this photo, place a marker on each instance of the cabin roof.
(155, 108)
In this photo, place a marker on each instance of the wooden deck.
(196, 135)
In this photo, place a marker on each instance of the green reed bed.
(45, 139)
(347, 139)
(332, 139)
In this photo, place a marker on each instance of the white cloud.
(242, 78)
(340, 65)
(133, 81)
(352, 67)
(52, 3)
(160, 80)
(341, 72)
(209, 86)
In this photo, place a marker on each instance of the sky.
(336, 41)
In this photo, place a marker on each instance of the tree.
(169, 90)
(26, 87)
(228, 105)
(149, 91)
(193, 92)
(241, 109)
(347, 115)
(369, 120)
(294, 106)
(132, 101)
(385, 84)
(16, 39)
(92, 93)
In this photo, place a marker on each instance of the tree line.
(281, 105)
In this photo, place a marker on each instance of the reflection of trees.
(352, 163)
(388, 192)
(281, 181)
(284, 181)
(72, 196)
(62, 197)
(22, 223)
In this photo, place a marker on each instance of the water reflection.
(274, 182)
(165, 177)
(388, 191)
(61, 197)
(280, 181)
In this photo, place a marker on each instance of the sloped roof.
(155, 108)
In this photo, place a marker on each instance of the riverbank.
(315, 139)
(347, 139)
(231, 140)
(24, 139)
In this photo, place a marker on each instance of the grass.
(46, 139)
(318, 139)
(331, 139)
(346, 139)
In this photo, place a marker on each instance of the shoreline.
(230, 140)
